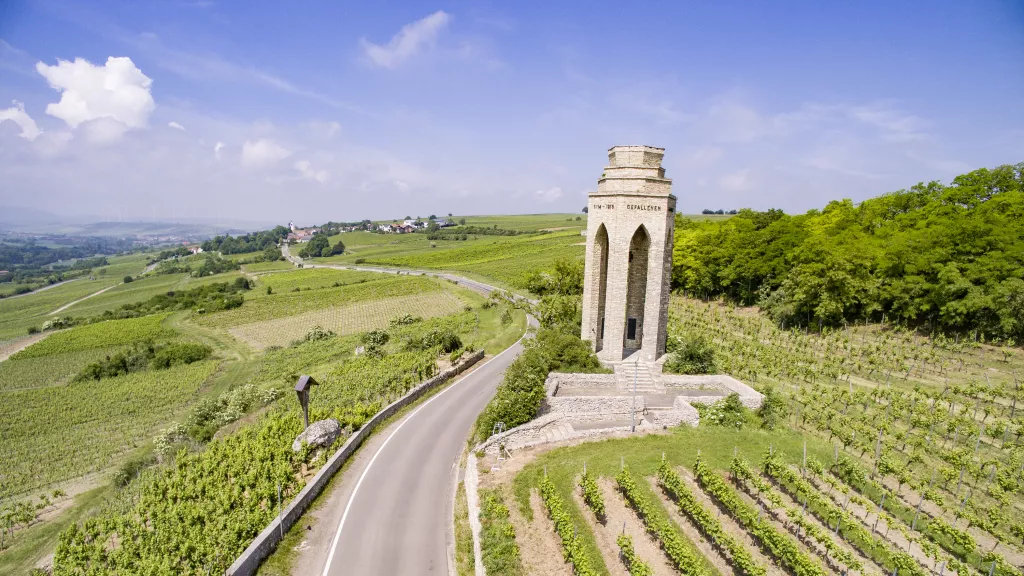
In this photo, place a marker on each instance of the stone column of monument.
(629, 256)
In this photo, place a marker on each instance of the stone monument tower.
(629, 256)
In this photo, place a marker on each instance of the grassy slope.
(141, 290)
(17, 314)
(643, 455)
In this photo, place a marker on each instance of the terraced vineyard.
(81, 428)
(899, 454)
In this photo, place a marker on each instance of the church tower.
(630, 227)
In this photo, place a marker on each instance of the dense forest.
(247, 242)
(943, 257)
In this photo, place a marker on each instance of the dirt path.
(604, 536)
(870, 567)
(731, 526)
(70, 304)
(12, 347)
(538, 542)
(620, 518)
(889, 534)
(43, 289)
(986, 541)
(690, 531)
(777, 519)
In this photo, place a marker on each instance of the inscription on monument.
(643, 207)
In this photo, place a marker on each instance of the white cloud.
(176, 126)
(263, 152)
(103, 130)
(549, 195)
(895, 127)
(739, 180)
(17, 114)
(307, 172)
(216, 150)
(408, 42)
(116, 91)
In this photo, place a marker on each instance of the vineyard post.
(960, 482)
(805, 458)
(977, 443)
(1016, 387)
(878, 450)
(280, 524)
(913, 525)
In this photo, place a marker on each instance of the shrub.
(521, 392)
(446, 341)
(360, 260)
(131, 468)
(375, 338)
(773, 410)
(180, 353)
(33, 330)
(691, 354)
(728, 412)
(506, 317)
(563, 313)
(318, 333)
(404, 320)
(128, 279)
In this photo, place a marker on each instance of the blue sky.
(268, 111)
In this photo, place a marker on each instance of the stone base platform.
(581, 405)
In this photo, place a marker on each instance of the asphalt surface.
(396, 521)
(397, 517)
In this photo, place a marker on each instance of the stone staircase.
(626, 372)
(560, 432)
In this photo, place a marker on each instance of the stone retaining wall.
(748, 396)
(265, 543)
(556, 380)
(682, 412)
(528, 434)
(597, 406)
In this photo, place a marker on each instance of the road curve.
(396, 520)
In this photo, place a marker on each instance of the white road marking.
(352, 497)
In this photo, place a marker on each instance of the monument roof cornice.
(636, 194)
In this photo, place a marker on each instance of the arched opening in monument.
(600, 258)
(636, 290)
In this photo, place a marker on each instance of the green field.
(312, 279)
(140, 290)
(17, 314)
(100, 335)
(48, 370)
(262, 308)
(506, 260)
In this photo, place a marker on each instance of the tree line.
(246, 242)
(937, 257)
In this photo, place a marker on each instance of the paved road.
(396, 519)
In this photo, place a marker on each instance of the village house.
(300, 234)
